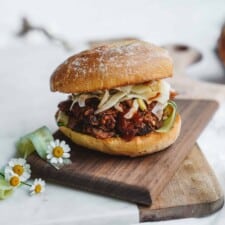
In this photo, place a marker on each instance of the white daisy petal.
(66, 155)
(37, 187)
(62, 144)
(21, 161)
(8, 175)
(12, 160)
(49, 156)
(11, 163)
(52, 144)
(39, 180)
(8, 169)
(25, 176)
(54, 157)
(60, 160)
(27, 167)
(54, 160)
(57, 142)
(67, 149)
(22, 174)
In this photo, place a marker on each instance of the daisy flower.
(13, 179)
(37, 187)
(58, 152)
(18, 167)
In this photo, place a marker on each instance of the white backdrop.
(193, 22)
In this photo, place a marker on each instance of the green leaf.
(35, 141)
(168, 123)
(5, 189)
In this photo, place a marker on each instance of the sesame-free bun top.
(112, 65)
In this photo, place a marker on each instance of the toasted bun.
(140, 145)
(112, 65)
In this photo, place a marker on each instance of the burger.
(119, 101)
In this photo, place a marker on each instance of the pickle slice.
(141, 104)
(62, 119)
(5, 189)
(37, 140)
(168, 123)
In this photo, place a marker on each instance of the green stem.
(26, 183)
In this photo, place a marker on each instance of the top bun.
(112, 65)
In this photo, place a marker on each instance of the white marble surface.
(27, 103)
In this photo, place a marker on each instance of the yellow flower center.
(18, 169)
(58, 151)
(37, 188)
(14, 181)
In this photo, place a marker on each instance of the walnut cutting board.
(138, 180)
(192, 192)
(185, 56)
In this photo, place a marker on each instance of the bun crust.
(112, 65)
(140, 145)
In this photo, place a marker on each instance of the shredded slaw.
(141, 95)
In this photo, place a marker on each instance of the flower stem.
(26, 183)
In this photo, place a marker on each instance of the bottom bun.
(139, 145)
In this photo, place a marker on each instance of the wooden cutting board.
(187, 87)
(192, 192)
(138, 180)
